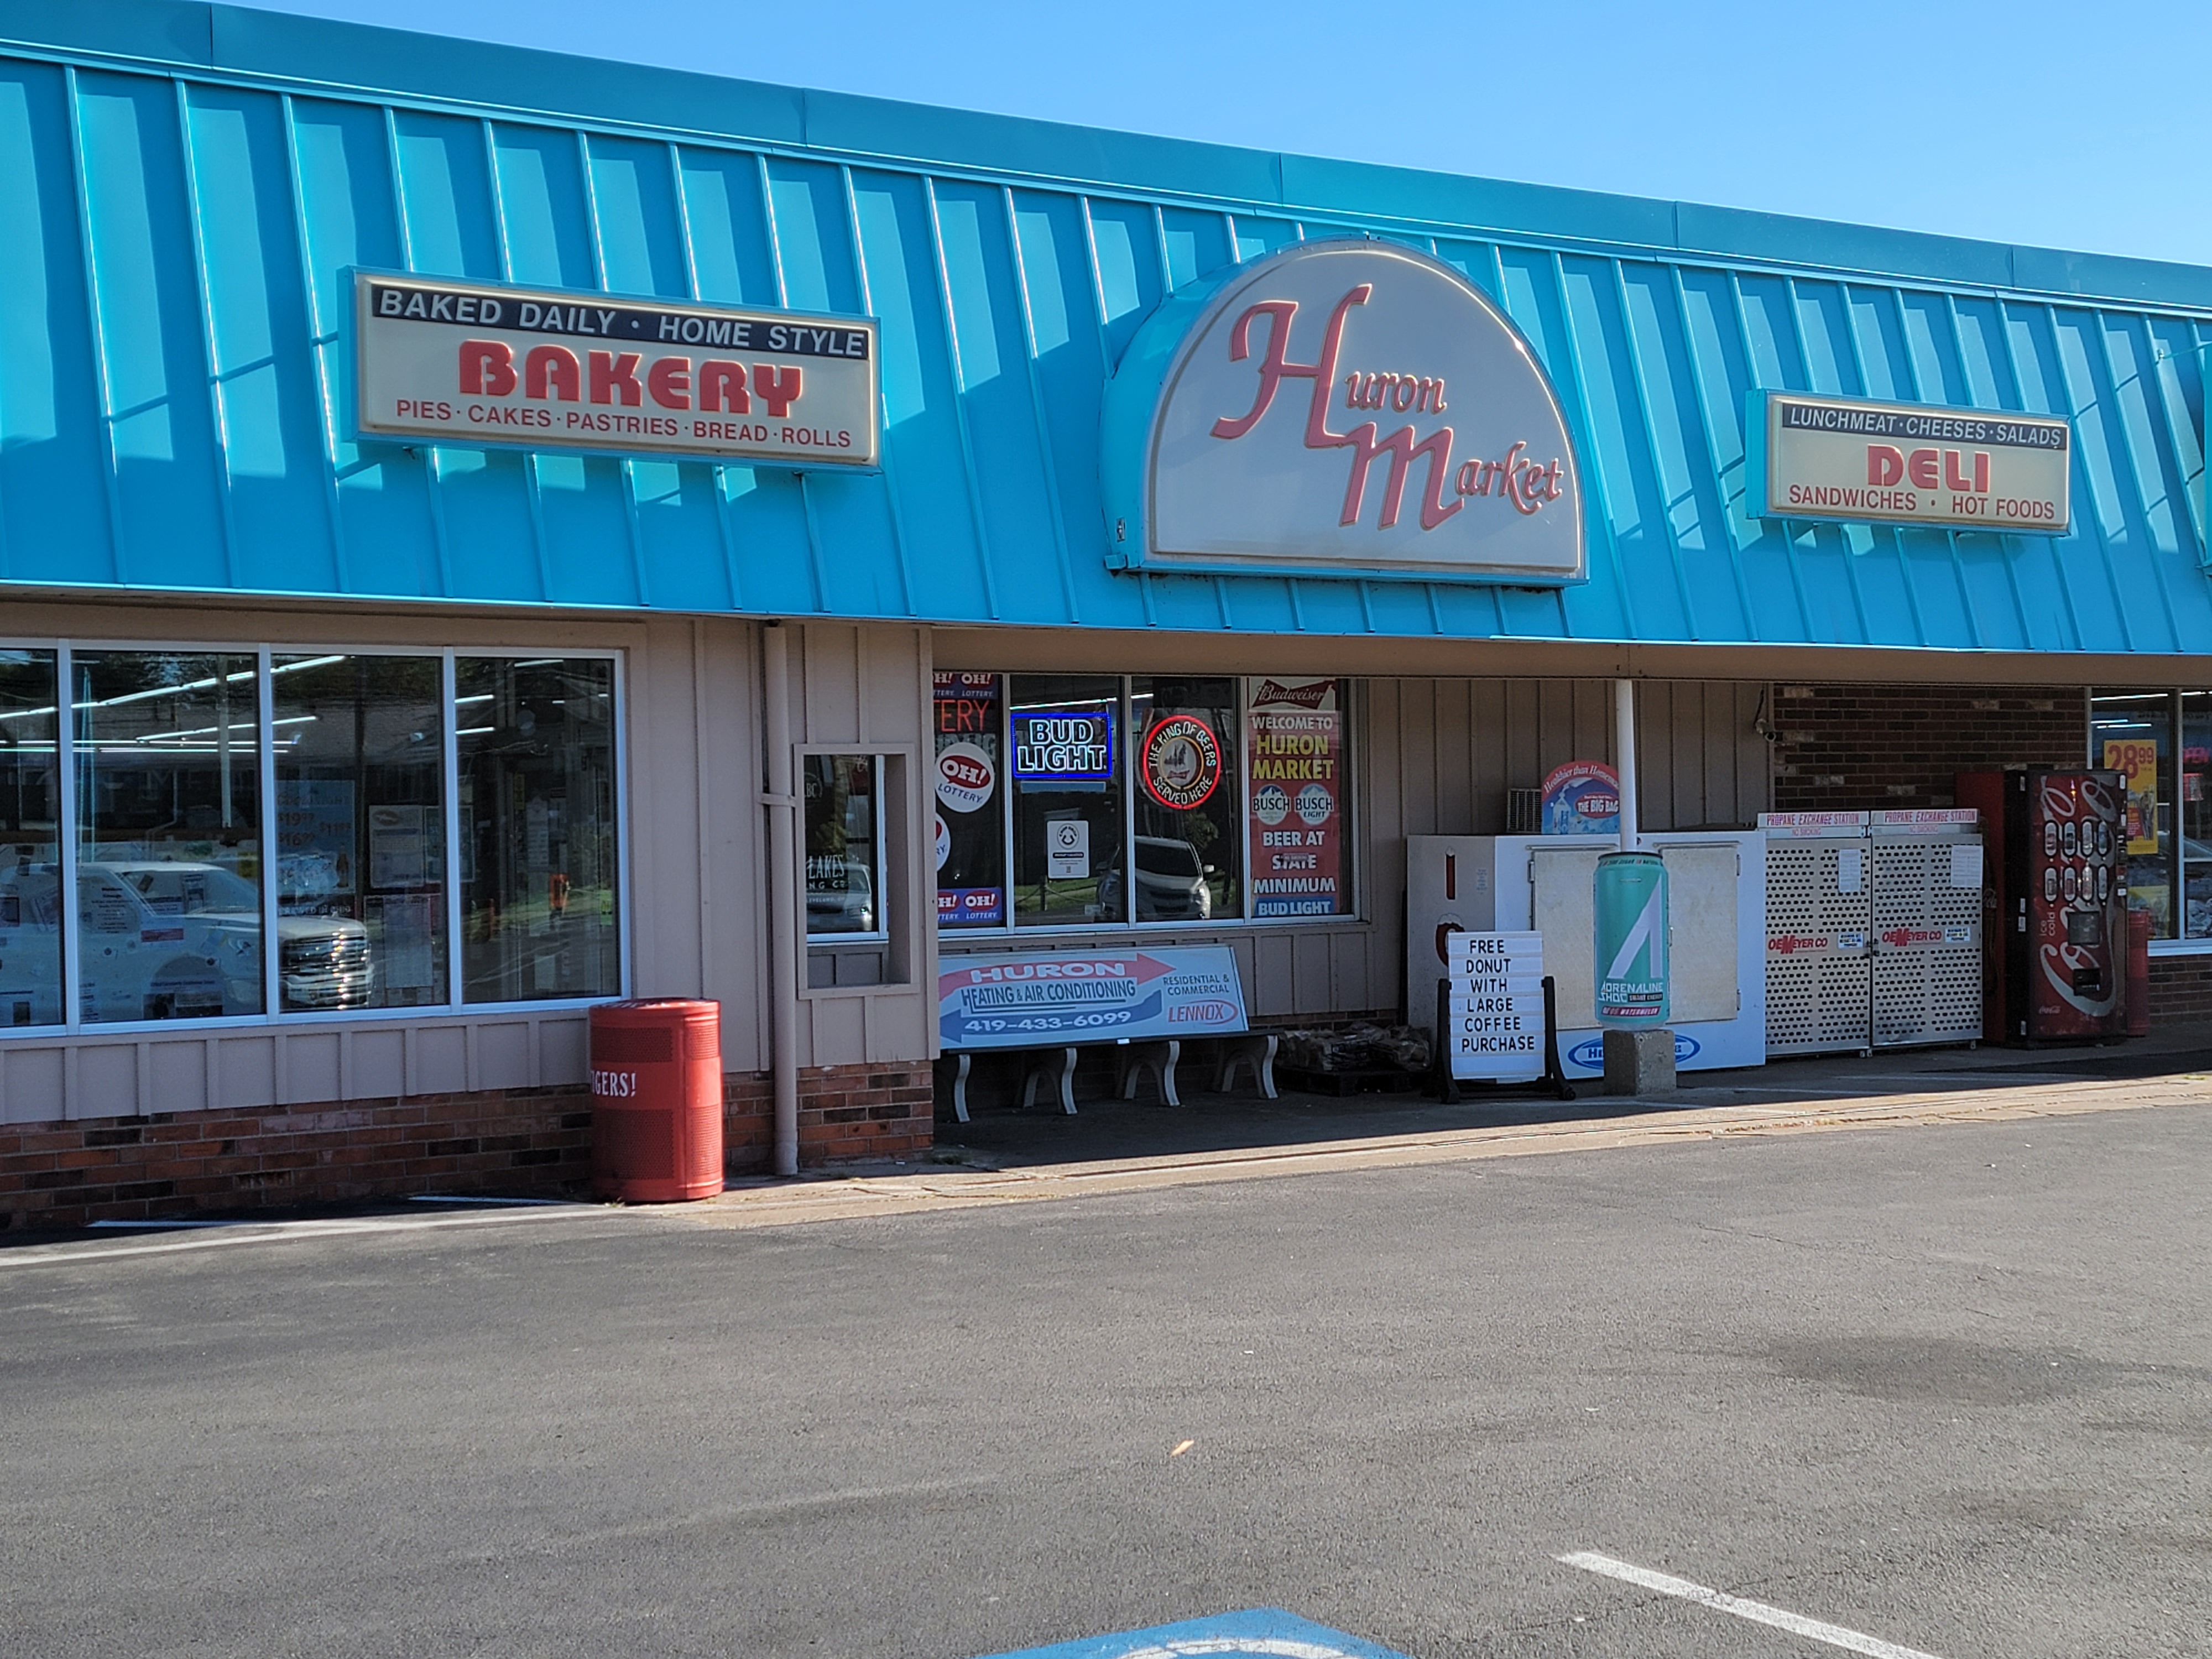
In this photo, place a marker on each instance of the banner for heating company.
(1294, 744)
(1839, 458)
(478, 363)
(1023, 998)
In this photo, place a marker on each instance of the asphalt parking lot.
(1947, 1387)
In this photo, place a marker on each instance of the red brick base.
(2180, 990)
(845, 1112)
(516, 1141)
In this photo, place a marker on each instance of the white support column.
(782, 803)
(1623, 729)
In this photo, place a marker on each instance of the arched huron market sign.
(1340, 408)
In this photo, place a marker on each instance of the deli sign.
(475, 363)
(1959, 469)
(1347, 407)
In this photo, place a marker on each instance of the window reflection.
(360, 831)
(167, 760)
(2197, 813)
(1067, 799)
(538, 854)
(1182, 736)
(844, 863)
(30, 842)
(2132, 732)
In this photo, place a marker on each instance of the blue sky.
(2072, 125)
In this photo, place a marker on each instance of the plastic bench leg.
(960, 1087)
(1257, 1052)
(1158, 1058)
(1060, 1071)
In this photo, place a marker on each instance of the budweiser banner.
(1294, 743)
(474, 363)
(1959, 469)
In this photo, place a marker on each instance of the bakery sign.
(473, 363)
(1347, 407)
(1956, 469)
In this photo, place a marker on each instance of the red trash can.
(657, 1100)
(2141, 924)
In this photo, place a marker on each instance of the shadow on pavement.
(1106, 1129)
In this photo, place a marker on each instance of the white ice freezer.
(1716, 912)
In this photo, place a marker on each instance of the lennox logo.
(1201, 1013)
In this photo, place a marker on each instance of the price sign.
(1495, 1026)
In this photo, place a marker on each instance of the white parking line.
(1758, 1612)
(284, 1232)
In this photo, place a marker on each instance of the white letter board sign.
(1496, 1029)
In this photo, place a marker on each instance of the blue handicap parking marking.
(1266, 1632)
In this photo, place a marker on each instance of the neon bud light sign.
(1347, 408)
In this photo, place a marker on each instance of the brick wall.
(519, 1142)
(1847, 747)
(2180, 990)
(845, 1112)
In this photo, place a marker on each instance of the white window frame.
(73, 1024)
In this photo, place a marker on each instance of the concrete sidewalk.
(1113, 1129)
(1113, 1147)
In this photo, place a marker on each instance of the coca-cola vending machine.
(2055, 903)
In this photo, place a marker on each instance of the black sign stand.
(1555, 1075)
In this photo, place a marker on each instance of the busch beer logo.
(1351, 408)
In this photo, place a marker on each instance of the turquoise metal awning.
(183, 186)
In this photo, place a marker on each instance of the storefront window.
(2132, 732)
(844, 846)
(361, 831)
(1153, 801)
(30, 842)
(2197, 813)
(969, 781)
(536, 739)
(1067, 799)
(1183, 743)
(168, 815)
